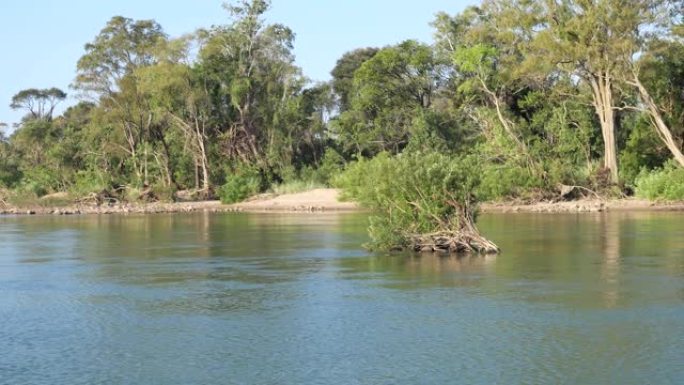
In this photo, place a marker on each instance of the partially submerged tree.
(421, 202)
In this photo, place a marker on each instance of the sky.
(41, 40)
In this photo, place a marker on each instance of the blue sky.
(43, 39)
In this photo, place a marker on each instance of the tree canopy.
(540, 94)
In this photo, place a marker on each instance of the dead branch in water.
(454, 242)
(465, 240)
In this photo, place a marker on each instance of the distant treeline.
(535, 94)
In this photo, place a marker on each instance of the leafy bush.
(40, 181)
(163, 192)
(240, 186)
(506, 181)
(666, 183)
(411, 193)
(90, 181)
(331, 165)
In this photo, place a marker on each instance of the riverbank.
(314, 200)
(319, 200)
(327, 200)
(581, 206)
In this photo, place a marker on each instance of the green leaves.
(121, 47)
(480, 58)
(411, 193)
(40, 104)
(390, 95)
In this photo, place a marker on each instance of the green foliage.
(331, 165)
(40, 104)
(501, 87)
(90, 181)
(391, 92)
(240, 185)
(506, 181)
(40, 181)
(411, 193)
(343, 74)
(661, 184)
(10, 173)
(643, 150)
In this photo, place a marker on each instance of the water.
(294, 299)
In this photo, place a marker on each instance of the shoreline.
(582, 206)
(314, 201)
(326, 201)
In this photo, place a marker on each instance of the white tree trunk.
(658, 122)
(602, 92)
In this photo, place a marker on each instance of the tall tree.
(108, 70)
(597, 42)
(179, 94)
(343, 74)
(392, 95)
(252, 64)
(39, 104)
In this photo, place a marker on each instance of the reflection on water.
(275, 299)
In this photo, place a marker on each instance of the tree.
(179, 94)
(122, 46)
(660, 65)
(343, 74)
(597, 42)
(39, 103)
(393, 93)
(488, 46)
(107, 69)
(251, 65)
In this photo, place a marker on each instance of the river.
(295, 299)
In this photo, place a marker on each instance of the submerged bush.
(666, 183)
(412, 194)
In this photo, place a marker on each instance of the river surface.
(294, 299)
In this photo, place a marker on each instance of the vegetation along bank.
(513, 100)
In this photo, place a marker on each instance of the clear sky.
(41, 40)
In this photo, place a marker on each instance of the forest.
(512, 100)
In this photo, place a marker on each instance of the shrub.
(412, 194)
(331, 165)
(239, 187)
(40, 181)
(506, 181)
(90, 181)
(666, 183)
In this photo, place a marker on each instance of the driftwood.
(465, 240)
(147, 195)
(454, 242)
(567, 191)
(98, 198)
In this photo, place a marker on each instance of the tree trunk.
(200, 135)
(659, 123)
(602, 92)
